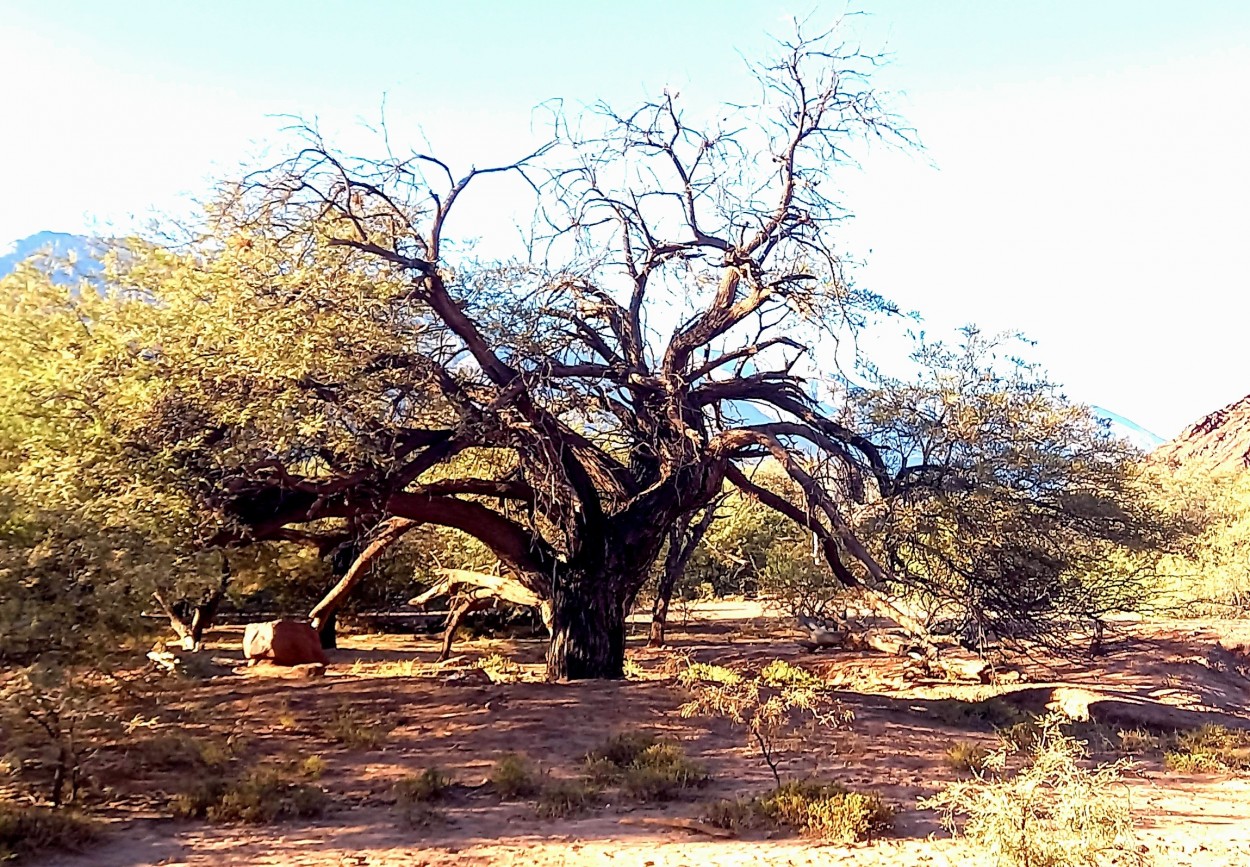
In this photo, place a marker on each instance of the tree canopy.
(327, 365)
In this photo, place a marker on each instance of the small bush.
(1135, 742)
(312, 767)
(780, 673)
(514, 777)
(1020, 736)
(991, 713)
(825, 811)
(563, 798)
(644, 768)
(1209, 749)
(27, 831)
(177, 750)
(623, 749)
(965, 756)
(701, 672)
(500, 669)
(429, 785)
(1053, 813)
(263, 796)
(356, 731)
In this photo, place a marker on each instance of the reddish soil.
(453, 718)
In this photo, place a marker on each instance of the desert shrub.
(779, 673)
(965, 756)
(176, 749)
(500, 669)
(514, 777)
(623, 748)
(51, 721)
(993, 713)
(1020, 735)
(643, 767)
(26, 831)
(1209, 749)
(562, 798)
(701, 672)
(1133, 742)
(355, 730)
(825, 811)
(774, 718)
(262, 796)
(429, 785)
(1052, 813)
(312, 767)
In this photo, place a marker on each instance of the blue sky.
(1084, 177)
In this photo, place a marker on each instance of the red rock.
(283, 642)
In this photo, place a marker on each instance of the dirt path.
(461, 723)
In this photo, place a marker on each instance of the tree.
(324, 367)
(1042, 521)
(608, 433)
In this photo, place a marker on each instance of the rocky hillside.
(1219, 442)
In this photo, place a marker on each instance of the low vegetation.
(966, 757)
(559, 799)
(644, 767)
(513, 777)
(1053, 812)
(1209, 749)
(824, 811)
(26, 830)
(355, 729)
(429, 785)
(774, 716)
(261, 796)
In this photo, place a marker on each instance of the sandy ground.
(453, 719)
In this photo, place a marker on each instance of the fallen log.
(473, 591)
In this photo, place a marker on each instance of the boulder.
(283, 642)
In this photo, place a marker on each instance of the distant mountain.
(1122, 428)
(59, 244)
(1219, 442)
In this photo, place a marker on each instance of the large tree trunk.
(588, 628)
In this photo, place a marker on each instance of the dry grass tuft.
(262, 796)
(824, 811)
(644, 767)
(1210, 749)
(27, 831)
(967, 757)
(514, 777)
(356, 730)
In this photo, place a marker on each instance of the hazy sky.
(1085, 175)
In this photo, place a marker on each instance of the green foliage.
(1208, 574)
(259, 797)
(560, 799)
(27, 831)
(703, 672)
(1039, 520)
(1209, 749)
(965, 756)
(357, 729)
(644, 767)
(429, 785)
(1053, 813)
(824, 811)
(780, 673)
(514, 777)
(775, 718)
